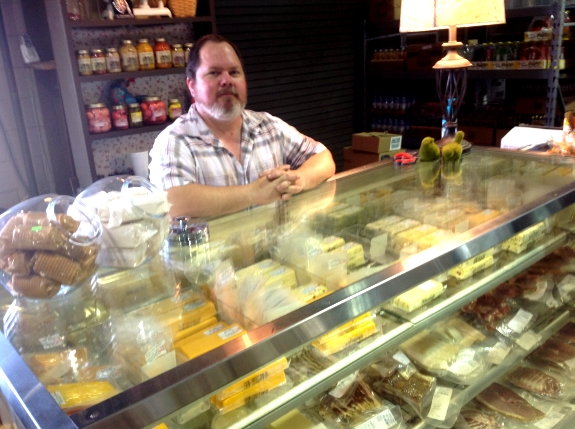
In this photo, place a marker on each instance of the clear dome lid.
(48, 246)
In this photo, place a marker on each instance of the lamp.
(451, 70)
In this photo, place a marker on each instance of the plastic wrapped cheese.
(418, 296)
(74, 397)
(519, 242)
(409, 236)
(202, 342)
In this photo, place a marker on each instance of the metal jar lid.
(82, 52)
(134, 105)
(119, 107)
(143, 41)
(151, 98)
(126, 42)
(111, 50)
(189, 45)
(174, 100)
(96, 105)
(176, 45)
(160, 39)
(96, 51)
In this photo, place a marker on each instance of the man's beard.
(223, 113)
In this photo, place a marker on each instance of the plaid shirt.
(188, 152)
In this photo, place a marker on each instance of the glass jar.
(178, 57)
(174, 109)
(566, 29)
(153, 111)
(135, 115)
(98, 61)
(163, 54)
(145, 55)
(120, 117)
(187, 48)
(113, 61)
(98, 116)
(84, 62)
(129, 56)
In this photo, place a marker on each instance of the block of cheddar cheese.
(202, 342)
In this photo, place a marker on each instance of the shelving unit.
(380, 33)
(63, 33)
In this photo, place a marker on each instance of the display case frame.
(156, 398)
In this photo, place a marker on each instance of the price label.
(566, 285)
(383, 420)
(440, 403)
(541, 287)
(155, 351)
(224, 335)
(52, 341)
(549, 420)
(463, 367)
(528, 340)
(407, 371)
(401, 358)
(520, 321)
(498, 353)
(58, 398)
(339, 390)
(570, 363)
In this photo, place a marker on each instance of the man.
(220, 158)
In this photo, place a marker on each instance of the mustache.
(227, 91)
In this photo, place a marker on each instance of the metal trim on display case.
(193, 380)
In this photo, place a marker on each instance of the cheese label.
(213, 330)
(401, 358)
(194, 305)
(52, 341)
(440, 403)
(58, 398)
(224, 335)
(155, 351)
(570, 363)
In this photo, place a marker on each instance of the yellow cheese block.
(519, 242)
(355, 255)
(311, 292)
(188, 315)
(398, 227)
(180, 335)
(255, 391)
(483, 216)
(168, 304)
(375, 228)
(281, 277)
(202, 342)
(433, 239)
(466, 270)
(330, 243)
(73, 397)
(418, 296)
(261, 267)
(348, 338)
(257, 377)
(209, 330)
(343, 328)
(407, 237)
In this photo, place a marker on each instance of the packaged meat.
(535, 381)
(307, 363)
(566, 333)
(428, 350)
(505, 401)
(556, 354)
(489, 309)
(476, 419)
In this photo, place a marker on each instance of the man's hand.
(290, 182)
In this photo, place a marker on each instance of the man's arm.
(204, 200)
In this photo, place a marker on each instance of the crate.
(183, 8)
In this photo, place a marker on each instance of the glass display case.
(299, 307)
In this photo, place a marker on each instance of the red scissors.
(404, 158)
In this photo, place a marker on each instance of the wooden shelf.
(122, 22)
(130, 131)
(136, 74)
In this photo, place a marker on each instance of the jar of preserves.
(163, 54)
(98, 61)
(129, 56)
(98, 116)
(174, 109)
(153, 111)
(187, 48)
(135, 115)
(178, 57)
(120, 117)
(145, 55)
(84, 62)
(113, 61)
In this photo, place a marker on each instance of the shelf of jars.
(129, 75)
(128, 132)
(136, 22)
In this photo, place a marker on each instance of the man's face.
(220, 89)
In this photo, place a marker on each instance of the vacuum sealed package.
(544, 383)
(134, 214)
(556, 354)
(516, 322)
(472, 417)
(308, 362)
(352, 404)
(48, 246)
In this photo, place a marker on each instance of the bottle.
(145, 55)
(98, 61)
(163, 54)
(566, 30)
(187, 48)
(153, 111)
(113, 61)
(129, 56)
(135, 119)
(178, 56)
(174, 109)
(98, 116)
(120, 117)
(84, 63)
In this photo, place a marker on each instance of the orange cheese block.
(343, 328)
(73, 397)
(202, 342)
(349, 337)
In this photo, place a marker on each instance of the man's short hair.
(194, 57)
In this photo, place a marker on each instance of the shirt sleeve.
(297, 147)
(172, 163)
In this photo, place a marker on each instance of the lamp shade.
(426, 15)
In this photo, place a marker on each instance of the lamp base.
(450, 130)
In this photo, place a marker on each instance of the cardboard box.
(353, 158)
(376, 142)
(481, 136)
(423, 56)
(499, 134)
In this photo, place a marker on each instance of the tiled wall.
(13, 174)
